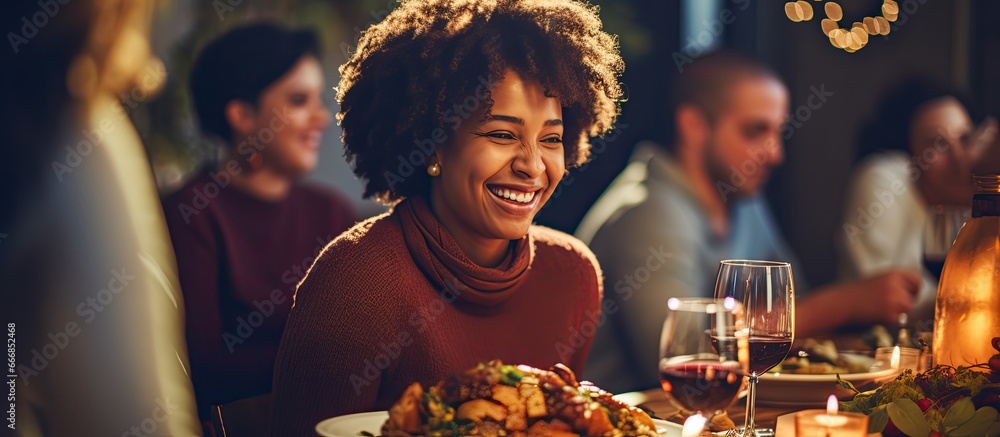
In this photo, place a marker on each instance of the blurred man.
(662, 227)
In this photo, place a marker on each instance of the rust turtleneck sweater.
(395, 301)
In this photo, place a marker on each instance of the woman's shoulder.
(374, 246)
(549, 239)
(562, 248)
(561, 255)
(368, 262)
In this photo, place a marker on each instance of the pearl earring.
(434, 169)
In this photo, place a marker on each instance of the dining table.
(767, 416)
(655, 401)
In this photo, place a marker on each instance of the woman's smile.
(514, 199)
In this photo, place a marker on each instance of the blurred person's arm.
(879, 299)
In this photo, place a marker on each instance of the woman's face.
(940, 142)
(498, 171)
(291, 113)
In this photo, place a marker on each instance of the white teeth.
(519, 197)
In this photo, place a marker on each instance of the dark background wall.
(957, 42)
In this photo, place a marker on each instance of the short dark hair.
(705, 84)
(427, 56)
(239, 65)
(889, 129)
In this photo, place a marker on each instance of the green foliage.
(878, 419)
(934, 418)
(906, 415)
(959, 413)
(900, 388)
(971, 380)
(952, 411)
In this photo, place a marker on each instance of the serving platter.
(351, 424)
(811, 390)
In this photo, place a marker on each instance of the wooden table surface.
(656, 401)
(766, 416)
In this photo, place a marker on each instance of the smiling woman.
(495, 100)
(239, 227)
(499, 169)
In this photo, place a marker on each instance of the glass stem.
(748, 425)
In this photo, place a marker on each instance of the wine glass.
(767, 293)
(943, 224)
(702, 360)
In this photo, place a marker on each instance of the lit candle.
(830, 422)
(894, 362)
(693, 425)
(831, 418)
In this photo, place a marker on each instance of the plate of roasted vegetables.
(496, 399)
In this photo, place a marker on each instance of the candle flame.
(894, 362)
(832, 405)
(693, 425)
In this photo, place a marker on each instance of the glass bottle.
(967, 309)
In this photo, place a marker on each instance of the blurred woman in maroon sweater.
(466, 115)
(245, 231)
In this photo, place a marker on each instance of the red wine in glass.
(766, 352)
(701, 385)
(767, 292)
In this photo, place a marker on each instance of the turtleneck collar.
(437, 254)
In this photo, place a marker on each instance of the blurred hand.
(881, 299)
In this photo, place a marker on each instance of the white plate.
(810, 390)
(350, 425)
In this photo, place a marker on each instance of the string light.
(857, 36)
